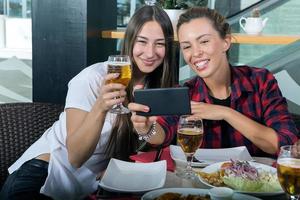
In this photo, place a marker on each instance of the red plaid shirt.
(254, 93)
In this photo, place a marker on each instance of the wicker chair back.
(20, 125)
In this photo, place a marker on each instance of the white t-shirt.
(64, 181)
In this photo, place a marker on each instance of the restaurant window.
(1, 7)
(15, 51)
(125, 9)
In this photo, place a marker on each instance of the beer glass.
(189, 137)
(288, 170)
(119, 64)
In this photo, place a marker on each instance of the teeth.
(201, 64)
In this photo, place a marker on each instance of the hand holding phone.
(164, 101)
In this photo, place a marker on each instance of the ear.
(227, 42)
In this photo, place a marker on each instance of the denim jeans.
(26, 182)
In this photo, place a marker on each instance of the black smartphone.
(164, 101)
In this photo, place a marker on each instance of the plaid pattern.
(255, 93)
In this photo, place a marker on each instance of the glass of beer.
(189, 137)
(119, 64)
(288, 170)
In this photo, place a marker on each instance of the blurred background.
(44, 43)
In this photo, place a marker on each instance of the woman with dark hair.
(239, 105)
(64, 162)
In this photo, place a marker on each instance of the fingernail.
(146, 109)
(139, 86)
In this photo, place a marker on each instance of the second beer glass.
(119, 64)
(189, 137)
(288, 170)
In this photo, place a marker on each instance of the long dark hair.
(123, 140)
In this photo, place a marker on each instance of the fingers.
(196, 107)
(113, 87)
(138, 87)
(109, 86)
(136, 107)
(194, 103)
(142, 123)
(111, 93)
(111, 76)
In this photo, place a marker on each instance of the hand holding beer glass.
(189, 137)
(288, 170)
(119, 64)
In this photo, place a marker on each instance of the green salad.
(240, 175)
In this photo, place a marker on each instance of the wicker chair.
(20, 125)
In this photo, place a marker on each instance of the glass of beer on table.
(288, 170)
(119, 64)
(189, 137)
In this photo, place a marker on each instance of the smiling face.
(203, 48)
(149, 47)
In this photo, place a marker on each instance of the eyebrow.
(197, 38)
(145, 38)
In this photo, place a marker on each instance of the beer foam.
(119, 63)
(289, 162)
(190, 131)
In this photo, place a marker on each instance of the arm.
(260, 135)
(276, 128)
(246, 126)
(84, 128)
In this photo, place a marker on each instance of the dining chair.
(20, 125)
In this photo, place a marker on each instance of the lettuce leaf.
(270, 187)
(270, 182)
(266, 183)
(242, 184)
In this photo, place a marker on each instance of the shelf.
(237, 37)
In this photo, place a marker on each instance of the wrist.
(98, 112)
(100, 107)
(146, 136)
(226, 113)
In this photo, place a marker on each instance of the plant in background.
(181, 4)
(255, 13)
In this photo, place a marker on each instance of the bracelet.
(149, 134)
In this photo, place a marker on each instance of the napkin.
(150, 156)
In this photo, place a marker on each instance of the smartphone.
(164, 101)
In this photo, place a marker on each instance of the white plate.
(224, 154)
(216, 166)
(121, 176)
(194, 191)
(210, 156)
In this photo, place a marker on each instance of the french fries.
(214, 178)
